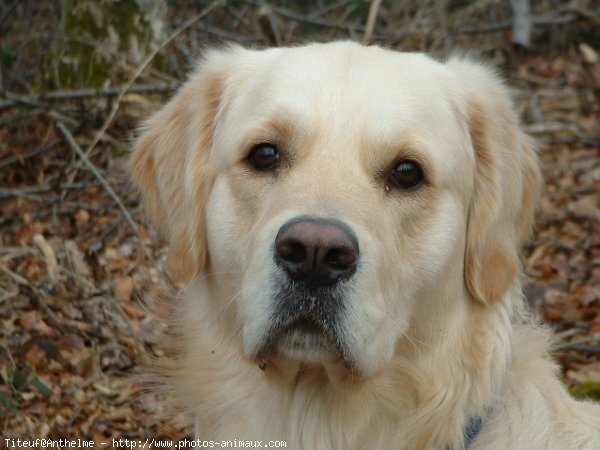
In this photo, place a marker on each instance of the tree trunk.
(101, 41)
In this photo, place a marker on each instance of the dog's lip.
(305, 324)
(325, 335)
(317, 333)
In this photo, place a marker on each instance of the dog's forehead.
(344, 86)
(347, 75)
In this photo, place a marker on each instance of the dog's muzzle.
(316, 257)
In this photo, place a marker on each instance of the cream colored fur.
(434, 314)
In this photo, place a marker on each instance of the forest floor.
(73, 269)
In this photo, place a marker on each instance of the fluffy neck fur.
(422, 398)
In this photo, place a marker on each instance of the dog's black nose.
(318, 252)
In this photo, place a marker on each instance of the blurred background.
(76, 254)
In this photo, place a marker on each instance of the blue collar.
(472, 429)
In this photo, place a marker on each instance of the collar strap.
(472, 428)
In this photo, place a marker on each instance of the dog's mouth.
(303, 339)
(306, 340)
(305, 326)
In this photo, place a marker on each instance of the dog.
(346, 221)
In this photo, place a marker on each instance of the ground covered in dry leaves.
(73, 269)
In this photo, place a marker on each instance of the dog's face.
(327, 191)
(336, 204)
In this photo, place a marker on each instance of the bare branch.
(575, 343)
(537, 21)
(268, 24)
(75, 147)
(521, 22)
(373, 11)
(31, 190)
(15, 276)
(311, 20)
(49, 256)
(37, 100)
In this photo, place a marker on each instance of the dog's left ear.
(506, 188)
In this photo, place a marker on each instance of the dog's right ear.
(170, 162)
(507, 184)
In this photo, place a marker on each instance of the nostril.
(291, 250)
(340, 258)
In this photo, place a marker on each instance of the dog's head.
(328, 192)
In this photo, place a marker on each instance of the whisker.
(213, 274)
(412, 340)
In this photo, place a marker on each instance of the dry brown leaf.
(587, 207)
(123, 288)
(28, 319)
(49, 256)
(133, 311)
(82, 217)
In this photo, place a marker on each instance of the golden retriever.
(347, 222)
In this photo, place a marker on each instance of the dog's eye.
(264, 157)
(405, 175)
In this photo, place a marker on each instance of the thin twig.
(30, 190)
(22, 100)
(21, 156)
(15, 276)
(310, 20)
(35, 100)
(7, 294)
(327, 8)
(20, 116)
(238, 16)
(70, 210)
(586, 349)
(536, 21)
(228, 35)
(75, 147)
(575, 343)
(48, 254)
(373, 11)
(15, 252)
(269, 25)
(36, 103)
(8, 11)
(588, 14)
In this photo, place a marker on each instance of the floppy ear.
(506, 188)
(170, 163)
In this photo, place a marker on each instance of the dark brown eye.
(406, 175)
(264, 157)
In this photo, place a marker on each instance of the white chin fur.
(306, 346)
